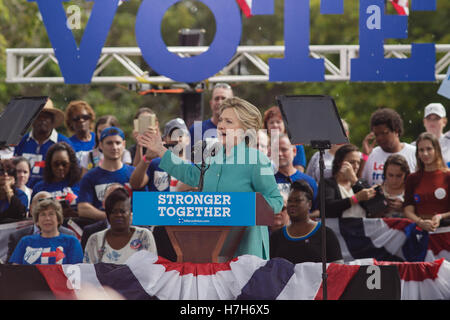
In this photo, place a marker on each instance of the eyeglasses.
(84, 117)
(58, 163)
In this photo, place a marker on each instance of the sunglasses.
(10, 172)
(60, 163)
(83, 117)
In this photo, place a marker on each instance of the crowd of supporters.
(88, 180)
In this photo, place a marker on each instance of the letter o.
(188, 199)
(193, 69)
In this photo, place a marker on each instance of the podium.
(202, 227)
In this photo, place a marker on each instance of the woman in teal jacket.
(236, 167)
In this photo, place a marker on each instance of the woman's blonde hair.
(249, 115)
(44, 204)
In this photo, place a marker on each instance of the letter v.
(77, 65)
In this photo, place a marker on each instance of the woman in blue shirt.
(80, 119)
(49, 246)
(13, 201)
(61, 176)
(237, 166)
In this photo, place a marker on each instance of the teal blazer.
(243, 170)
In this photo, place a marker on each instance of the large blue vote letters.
(78, 63)
(374, 27)
(193, 69)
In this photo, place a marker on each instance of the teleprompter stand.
(17, 117)
(314, 120)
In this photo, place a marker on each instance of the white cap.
(435, 108)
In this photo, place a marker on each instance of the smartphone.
(144, 122)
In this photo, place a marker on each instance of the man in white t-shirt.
(387, 128)
(434, 121)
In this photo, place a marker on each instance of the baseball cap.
(435, 108)
(173, 124)
(112, 131)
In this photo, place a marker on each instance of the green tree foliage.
(21, 27)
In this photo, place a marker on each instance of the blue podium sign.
(194, 208)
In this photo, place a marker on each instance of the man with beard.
(34, 145)
(112, 170)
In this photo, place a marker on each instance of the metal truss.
(248, 65)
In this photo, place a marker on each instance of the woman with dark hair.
(343, 191)
(61, 177)
(301, 240)
(94, 157)
(121, 240)
(427, 199)
(273, 121)
(13, 201)
(395, 172)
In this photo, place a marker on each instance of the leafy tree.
(21, 27)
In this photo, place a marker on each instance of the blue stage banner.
(194, 208)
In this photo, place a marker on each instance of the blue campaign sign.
(444, 89)
(194, 208)
(78, 63)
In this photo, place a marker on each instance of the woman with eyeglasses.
(61, 178)
(80, 119)
(49, 246)
(13, 201)
(121, 240)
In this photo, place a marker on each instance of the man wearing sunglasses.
(34, 145)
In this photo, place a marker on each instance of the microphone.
(202, 150)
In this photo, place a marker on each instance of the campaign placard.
(194, 208)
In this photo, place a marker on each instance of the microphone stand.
(322, 145)
(202, 167)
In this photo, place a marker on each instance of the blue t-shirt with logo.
(81, 147)
(35, 249)
(58, 189)
(94, 183)
(158, 179)
(35, 153)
